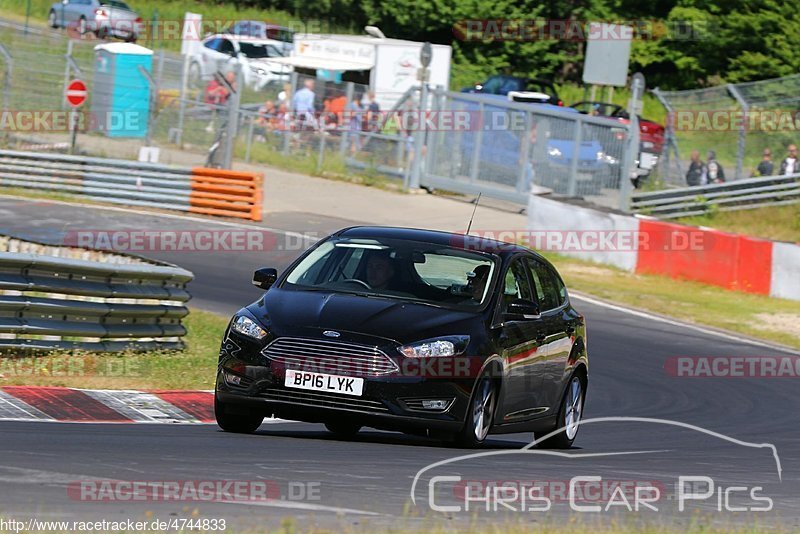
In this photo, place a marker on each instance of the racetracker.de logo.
(191, 490)
(733, 366)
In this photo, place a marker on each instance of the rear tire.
(480, 415)
(569, 415)
(234, 422)
(343, 430)
(52, 21)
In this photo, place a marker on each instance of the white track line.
(682, 324)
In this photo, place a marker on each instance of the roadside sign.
(76, 93)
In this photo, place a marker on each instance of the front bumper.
(247, 380)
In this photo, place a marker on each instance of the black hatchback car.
(431, 333)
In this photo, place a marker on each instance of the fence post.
(742, 129)
(67, 57)
(572, 185)
(344, 129)
(9, 67)
(476, 148)
(182, 101)
(290, 112)
(670, 142)
(233, 117)
(419, 138)
(524, 153)
(249, 138)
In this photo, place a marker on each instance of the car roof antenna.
(469, 226)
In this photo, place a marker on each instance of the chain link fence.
(469, 143)
(738, 122)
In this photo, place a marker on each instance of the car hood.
(309, 313)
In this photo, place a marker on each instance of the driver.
(477, 281)
(380, 271)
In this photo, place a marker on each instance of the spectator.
(716, 175)
(355, 116)
(373, 110)
(696, 175)
(789, 164)
(267, 115)
(217, 94)
(765, 166)
(303, 105)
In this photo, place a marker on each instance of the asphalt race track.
(369, 480)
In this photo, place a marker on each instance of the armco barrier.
(198, 190)
(731, 261)
(50, 302)
(730, 196)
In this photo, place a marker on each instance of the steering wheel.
(363, 283)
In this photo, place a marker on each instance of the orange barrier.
(727, 260)
(226, 193)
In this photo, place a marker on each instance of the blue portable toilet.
(120, 92)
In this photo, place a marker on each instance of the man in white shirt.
(789, 165)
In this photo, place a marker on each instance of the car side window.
(213, 44)
(550, 291)
(516, 284)
(226, 47)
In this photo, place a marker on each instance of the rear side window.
(550, 291)
(516, 285)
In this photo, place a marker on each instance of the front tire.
(243, 423)
(480, 416)
(569, 416)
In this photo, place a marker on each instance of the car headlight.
(435, 348)
(248, 327)
(601, 156)
(554, 152)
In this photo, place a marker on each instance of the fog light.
(434, 404)
(230, 378)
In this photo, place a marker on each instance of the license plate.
(647, 161)
(346, 385)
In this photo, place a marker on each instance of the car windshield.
(422, 272)
(115, 3)
(259, 50)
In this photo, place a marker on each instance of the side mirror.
(520, 310)
(265, 277)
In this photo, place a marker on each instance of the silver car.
(104, 18)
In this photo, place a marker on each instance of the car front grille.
(324, 400)
(331, 357)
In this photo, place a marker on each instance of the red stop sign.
(76, 93)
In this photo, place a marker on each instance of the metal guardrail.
(731, 196)
(196, 190)
(49, 302)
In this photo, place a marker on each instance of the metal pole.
(27, 16)
(288, 129)
(321, 152)
(67, 57)
(572, 186)
(632, 149)
(740, 148)
(182, 103)
(233, 118)
(74, 137)
(524, 154)
(249, 139)
(419, 138)
(476, 148)
(344, 129)
(9, 67)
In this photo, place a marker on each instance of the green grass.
(781, 223)
(767, 318)
(193, 368)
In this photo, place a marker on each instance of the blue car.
(548, 164)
